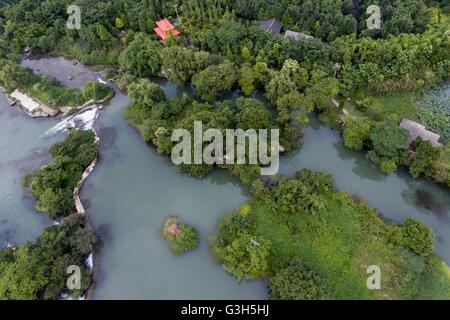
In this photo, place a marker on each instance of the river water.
(133, 189)
(22, 150)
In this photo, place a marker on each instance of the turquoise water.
(22, 150)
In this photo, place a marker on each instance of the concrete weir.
(32, 107)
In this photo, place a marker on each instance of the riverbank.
(34, 109)
(82, 211)
(77, 118)
(74, 158)
(385, 127)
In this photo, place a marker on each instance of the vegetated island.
(311, 241)
(181, 236)
(37, 270)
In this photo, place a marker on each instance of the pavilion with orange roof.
(165, 28)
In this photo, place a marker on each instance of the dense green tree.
(253, 115)
(279, 85)
(301, 195)
(22, 278)
(72, 146)
(297, 281)
(356, 132)
(142, 56)
(53, 184)
(181, 236)
(388, 142)
(292, 107)
(38, 270)
(323, 91)
(290, 78)
(146, 92)
(56, 202)
(179, 64)
(425, 157)
(214, 80)
(96, 91)
(247, 80)
(12, 76)
(418, 237)
(247, 256)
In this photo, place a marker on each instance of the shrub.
(297, 281)
(52, 93)
(418, 237)
(96, 91)
(356, 132)
(214, 80)
(247, 256)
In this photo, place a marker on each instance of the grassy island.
(313, 242)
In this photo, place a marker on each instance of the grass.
(402, 104)
(89, 56)
(50, 92)
(394, 107)
(340, 241)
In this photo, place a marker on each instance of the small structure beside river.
(418, 130)
(30, 106)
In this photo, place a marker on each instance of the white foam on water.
(84, 121)
(89, 262)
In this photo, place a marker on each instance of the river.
(23, 149)
(133, 189)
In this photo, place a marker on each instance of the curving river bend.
(133, 189)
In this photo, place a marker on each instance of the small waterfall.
(83, 120)
(89, 262)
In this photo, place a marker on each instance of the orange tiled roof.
(165, 25)
(164, 28)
